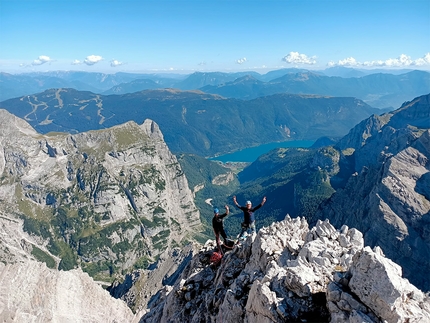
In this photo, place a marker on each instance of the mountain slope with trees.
(193, 121)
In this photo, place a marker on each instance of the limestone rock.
(139, 289)
(288, 273)
(388, 197)
(374, 291)
(31, 292)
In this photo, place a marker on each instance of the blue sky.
(204, 35)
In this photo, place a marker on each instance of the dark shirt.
(248, 215)
(217, 222)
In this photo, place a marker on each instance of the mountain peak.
(246, 78)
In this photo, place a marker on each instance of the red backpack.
(215, 258)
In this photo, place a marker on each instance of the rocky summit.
(287, 272)
(290, 273)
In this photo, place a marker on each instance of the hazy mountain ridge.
(390, 89)
(138, 85)
(193, 121)
(107, 200)
(378, 90)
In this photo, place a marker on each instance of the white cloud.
(425, 60)
(350, 61)
(402, 61)
(241, 60)
(297, 58)
(115, 63)
(92, 59)
(42, 59)
(76, 62)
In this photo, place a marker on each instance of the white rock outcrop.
(32, 293)
(288, 273)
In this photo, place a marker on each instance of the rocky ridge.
(106, 200)
(139, 288)
(388, 196)
(288, 272)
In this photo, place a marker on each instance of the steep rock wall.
(389, 202)
(105, 200)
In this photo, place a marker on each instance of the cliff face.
(290, 273)
(105, 200)
(388, 197)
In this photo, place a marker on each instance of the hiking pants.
(246, 227)
(218, 241)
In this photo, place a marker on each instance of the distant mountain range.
(193, 121)
(378, 88)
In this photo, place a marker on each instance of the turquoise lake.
(251, 154)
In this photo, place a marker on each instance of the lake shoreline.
(249, 155)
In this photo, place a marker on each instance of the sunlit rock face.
(288, 273)
(31, 292)
(388, 196)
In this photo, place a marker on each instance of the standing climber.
(248, 215)
(218, 226)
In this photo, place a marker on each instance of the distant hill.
(269, 76)
(341, 71)
(136, 86)
(200, 79)
(104, 81)
(193, 121)
(12, 86)
(378, 90)
(15, 85)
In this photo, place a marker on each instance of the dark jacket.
(248, 215)
(217, 222)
